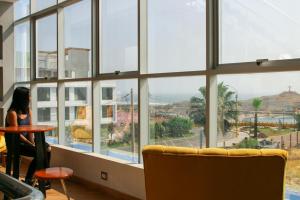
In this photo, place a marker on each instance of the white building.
(78, 97)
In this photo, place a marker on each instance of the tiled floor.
(76, 190)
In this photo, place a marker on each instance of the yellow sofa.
(177, 173)
(2, 148)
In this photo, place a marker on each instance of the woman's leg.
(48, 147)
(28, 150)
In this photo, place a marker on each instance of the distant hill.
(288, 101)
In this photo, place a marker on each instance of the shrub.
(248, 143)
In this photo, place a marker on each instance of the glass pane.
(44, 93)
(177, 111)
(80, 93)
(107, 93)
(21, 9)
(46, 47)
(119, 120)
(78, 115)
(22, 52)
(176, 34)
(119, 36)
(38, 5)
(47, 109)
(77, 31)
(255, 29)
(258, 111)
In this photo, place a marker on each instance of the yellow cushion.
(173, 173)
(2, 143)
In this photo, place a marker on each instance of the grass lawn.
(273, 132)
(293, 169)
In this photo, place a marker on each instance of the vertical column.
(95, 71)
(143, 83)
(61, 113)
(96, 116)
(212, 59)
(34, 103)
(33, 43)
(60, 70)
(60, 44)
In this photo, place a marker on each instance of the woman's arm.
(12, 120)
(31, 135)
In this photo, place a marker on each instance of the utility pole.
(236, 115)
(132, 123)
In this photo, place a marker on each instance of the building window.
(80, 93)
(44, 94)
(107, 111)
(107, 93)
(67, 113)
(44, 114)
(67, 94)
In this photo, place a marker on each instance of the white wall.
(6, 20)
(128, 179)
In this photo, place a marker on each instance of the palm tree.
(256, 103)
(226, 109)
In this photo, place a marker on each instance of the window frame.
(213, 69)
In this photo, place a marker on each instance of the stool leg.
(64, 188)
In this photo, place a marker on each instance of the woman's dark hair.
(20, 100)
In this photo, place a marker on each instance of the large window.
(176, 35)
(46, 106)
(46, 45)
(21, 9)
(77, 35)
(146, 72)
(78, 116)
(255, 29)
(119, 31)
(119, 120)
(257, 111)
(177, 111)
(22, 52)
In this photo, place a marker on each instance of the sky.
(249, 30)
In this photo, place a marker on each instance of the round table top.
(27, 128)
(54, 173)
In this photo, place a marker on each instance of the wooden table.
(12, 138)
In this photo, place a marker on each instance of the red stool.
(55, 173)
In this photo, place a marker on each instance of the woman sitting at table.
(20, 114)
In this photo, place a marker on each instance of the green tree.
(226, 107)
(256, 104)
(297, 118)
(178, 126)
(159, 130)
